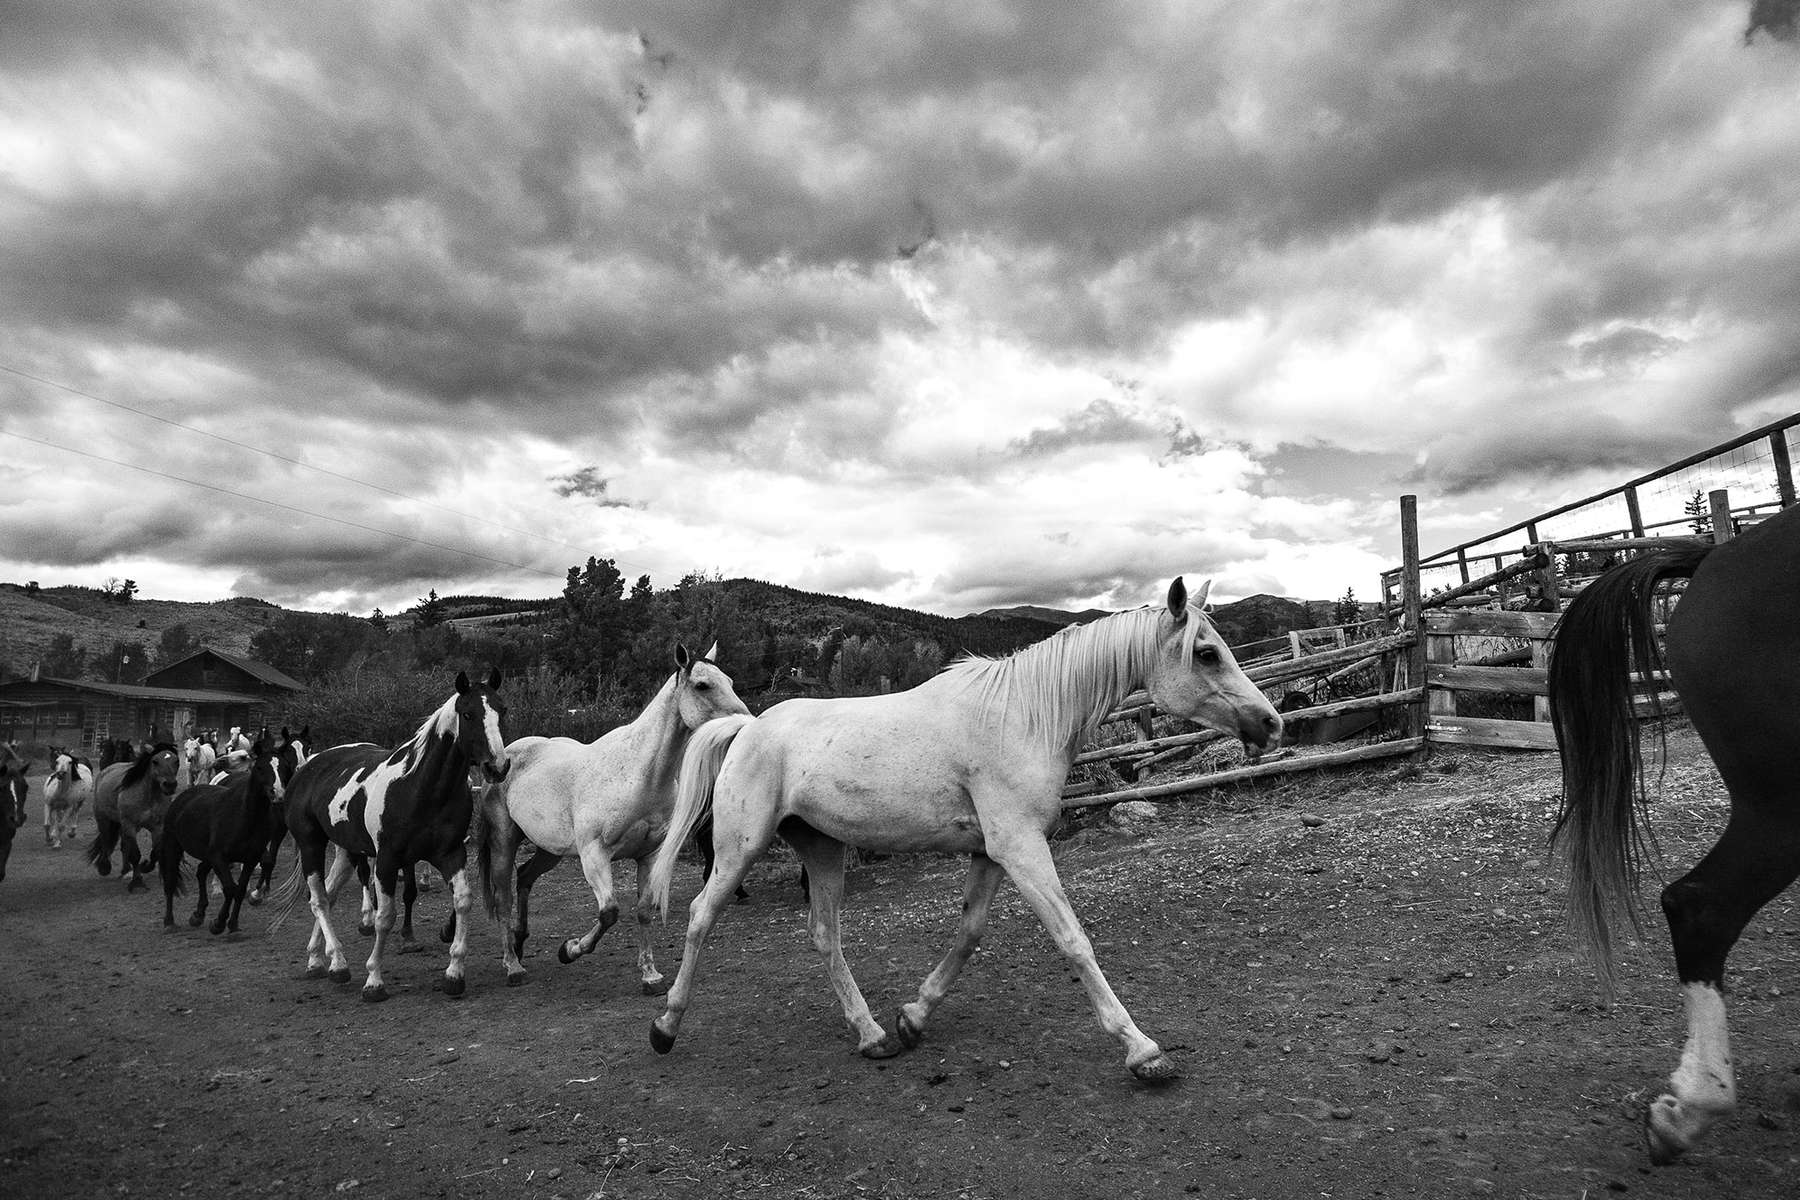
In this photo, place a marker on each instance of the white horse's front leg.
(1704, 1085)
(1027, 860)
(979, 886)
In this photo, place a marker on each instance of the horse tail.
(700, 764)
(168, 861)
(285, 896)
(99, 851)
(1602, 828)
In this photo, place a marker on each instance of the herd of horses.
(972, 763)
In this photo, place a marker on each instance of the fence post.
(1722, 528)
(1414, 615)
(1636, 514)
(1784, 470)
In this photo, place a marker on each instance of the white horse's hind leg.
(824, 857)
(735, 854)
(653, 981)
(1027, 860)
(978, 899)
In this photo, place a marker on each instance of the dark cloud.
(589, 485)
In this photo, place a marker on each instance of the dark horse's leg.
(410, 896)
(529, 873)
(270, 853)
(203, 893)
(1732, 644)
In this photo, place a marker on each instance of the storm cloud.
(949, 306)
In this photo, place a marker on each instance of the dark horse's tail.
(168, 862)
(1602, 828)
(99, 851)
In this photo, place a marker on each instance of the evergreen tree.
(431, 611)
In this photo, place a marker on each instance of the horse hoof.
(660, 1042)
(1158, 1070)
(194, 922)
(515, 979)
(216, 930)
(454, 985)
(1661, 1138)
(887, 1047)
(317, 972)
(365, 930)
(659, 987)
(254, 898)
(562, 954)
(910, 1035)
(376, 994)
(341, 975)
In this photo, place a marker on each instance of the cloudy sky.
(946, 305)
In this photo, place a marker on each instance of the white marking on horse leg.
(645, 910)
(323, 948)
(461, 895)
(385, 916)
(1705, 1087)
(979, 886)
(825, 869)
(334, 882)
(1027, 860)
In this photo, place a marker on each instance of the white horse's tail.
(693, 797)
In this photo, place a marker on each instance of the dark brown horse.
(128, 797)
(1733, 646)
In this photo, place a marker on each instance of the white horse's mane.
(1065, 685)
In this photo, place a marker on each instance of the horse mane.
(141, 765)
(1065, 685)
(437, 724)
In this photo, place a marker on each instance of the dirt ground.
(1384, 1004)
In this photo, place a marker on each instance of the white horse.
(200, 755)
(603, 800)
(971, 761)
(69, 785)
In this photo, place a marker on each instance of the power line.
(307, 512)
(123, 407)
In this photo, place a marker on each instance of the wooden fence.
(1459, 666)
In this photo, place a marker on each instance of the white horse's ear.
(1178, 598)
(684, 659)
(713, 654)
(1205, 591)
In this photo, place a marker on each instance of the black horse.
(1732, 648)
(222, 824)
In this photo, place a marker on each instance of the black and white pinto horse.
(68, 787)
(222, 824)
(129, 797)
(1733, 646)
(394, 807)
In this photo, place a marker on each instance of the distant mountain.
(1050, 616)
(29, 619)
